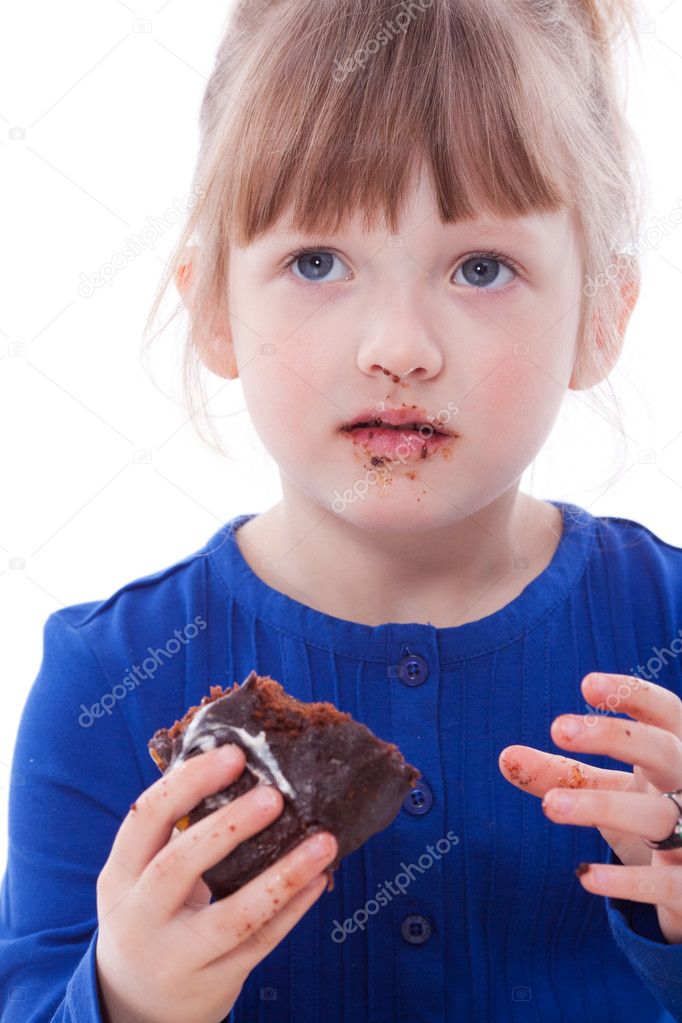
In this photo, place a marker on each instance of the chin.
(401, 511)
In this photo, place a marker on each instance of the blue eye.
(481, 271)
(314, 265)
(484, 270)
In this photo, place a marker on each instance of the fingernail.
(319, 847)
(265, 796)
(562, 801)
(570, 727)
(228, 753)
(600, 683)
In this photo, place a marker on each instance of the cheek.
(518, 401)
(278, 394)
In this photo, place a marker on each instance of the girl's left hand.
(625, 807)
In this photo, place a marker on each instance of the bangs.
(319, 112)
(327, 130)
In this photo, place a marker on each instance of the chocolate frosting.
(333, 772)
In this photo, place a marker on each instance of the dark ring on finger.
(674, 839)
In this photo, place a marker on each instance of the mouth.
(404, 442)
(387, 433)
(422, 428)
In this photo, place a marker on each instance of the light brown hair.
(326, 106)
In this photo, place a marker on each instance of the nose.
(404, 342)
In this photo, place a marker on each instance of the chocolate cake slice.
(334, 774)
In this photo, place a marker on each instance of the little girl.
(409, 240)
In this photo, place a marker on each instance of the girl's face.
(474, 323)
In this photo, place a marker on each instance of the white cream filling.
(257, 744)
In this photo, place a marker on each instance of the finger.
(255, 948)
(655, 750)
(173, 872)
(200, 895)
(645, 701)
(149, 823)
(229, 921)
(654, 885)
(536, 771)
(636, 813)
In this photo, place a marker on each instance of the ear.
(215, 348)
(597, 369)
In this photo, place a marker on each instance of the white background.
(98, 132)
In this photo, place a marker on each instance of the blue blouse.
(467, 906)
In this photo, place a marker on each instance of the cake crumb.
(576, 779)
(516, 772)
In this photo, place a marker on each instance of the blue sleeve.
(635, 928)
(72, 780)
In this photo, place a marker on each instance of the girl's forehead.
(528, 229)
(420, 213)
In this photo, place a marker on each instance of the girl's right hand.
(164, 953)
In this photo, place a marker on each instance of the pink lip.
(402, 416)
(401, 445)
